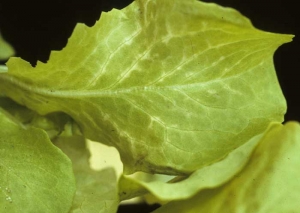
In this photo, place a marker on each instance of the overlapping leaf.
(3, 69)
(173, 85)
(97, 191)
(35, 176)
(268, 183)
(18, 112)
(208, 177)
(53, 123)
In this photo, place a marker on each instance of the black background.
(36, 27)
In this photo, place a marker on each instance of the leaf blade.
(268, 183)
(96, 191)
(6, 50)
(147, 81)
(35, 176)
(211, 176)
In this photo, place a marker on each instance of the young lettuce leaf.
(97, 191)
(268, 183)
(174, 85)
(35, 176)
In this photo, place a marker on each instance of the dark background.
(36, 27)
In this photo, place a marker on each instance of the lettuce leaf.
(268, 183)
(3, 68)
(172, 91)
(96, 191)
(53, 123)
(35, 176)
(208, 177)
(6, 50)
(18, 112)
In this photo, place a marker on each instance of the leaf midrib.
(98, 93)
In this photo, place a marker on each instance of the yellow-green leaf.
(174, 85)
(208, 177)
(268, 183)
(35, 176)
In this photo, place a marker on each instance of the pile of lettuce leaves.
(183, 89)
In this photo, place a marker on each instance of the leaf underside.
(172, 91)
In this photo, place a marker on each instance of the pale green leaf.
(35, 176)
(208, 177)
(268, 183)
(6, 50)
(174, 85)
(97, 191)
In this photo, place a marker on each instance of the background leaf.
(6, 49)
(97, 191)
(268, 183)
(18, 112)
(35, 176)
(53, 123)
(173, 92)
